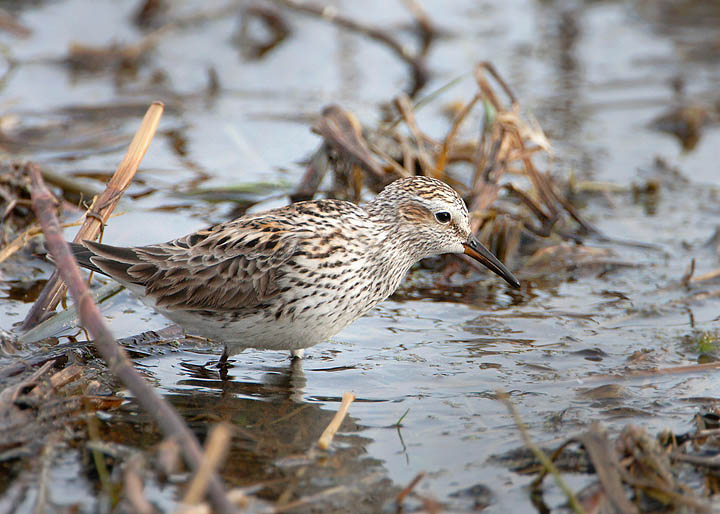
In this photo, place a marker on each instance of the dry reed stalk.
(133, 487)
(400, 498)
(404, 106)
(539, 454)
(329, 13)
(710, 275)
(442, 158)
(399, 170)
(607, 466)
(508, 144)
(16, 244)
(327, 436)
(539, 182)
(496, 145)
(216, 449)
(117, 360)
(96, 218)
(425, 26)
(33, 230)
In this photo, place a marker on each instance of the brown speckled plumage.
(292, 277)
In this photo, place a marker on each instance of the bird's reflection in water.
(277, 382)
(276, 430)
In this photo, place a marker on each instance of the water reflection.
(276, 429)
(277, 383)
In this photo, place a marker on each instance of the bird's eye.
(443, 216)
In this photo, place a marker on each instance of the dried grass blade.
(405, 108)
(95, 219)
(327, 436)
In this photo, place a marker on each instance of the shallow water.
(595, 75)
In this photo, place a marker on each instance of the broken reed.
(100, 210)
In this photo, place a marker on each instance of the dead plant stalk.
(216, 450)
(540, 455)
(96, 218)
(327, 436)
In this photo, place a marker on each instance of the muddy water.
(595, 75)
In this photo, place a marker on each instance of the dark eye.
(443, 217)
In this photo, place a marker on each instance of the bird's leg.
(297, 354)
(222, 363)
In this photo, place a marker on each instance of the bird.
(292, 277)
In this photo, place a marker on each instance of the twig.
(706, 276)
(539, 454)
(674, 370)
(401, 172)
(305, 500)
(607, 468)
(327, 436)
(68, 184)
(490, 68)
(120, 366)
(443, 157)
(95, 219)
(698, 460)
(133, 489)
(534, 207)
(215, 451)
(16, 244)
(406, 110)
(400, 498)
(47, 465)
(425, 27)
(689, 272)
(420, 74)
(563, 201)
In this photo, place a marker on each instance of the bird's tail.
(82, 255)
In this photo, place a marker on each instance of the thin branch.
(216, 449)
(405, 108)
(710, 275)
(540, 455)
(425, 27)
(419, 73)
(400, 498)
(327, 436)
(442, 159)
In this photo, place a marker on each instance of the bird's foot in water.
(223, 364)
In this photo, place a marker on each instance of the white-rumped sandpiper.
(290, 278)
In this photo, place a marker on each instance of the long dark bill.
(477, 251)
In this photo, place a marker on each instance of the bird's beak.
(477, 251)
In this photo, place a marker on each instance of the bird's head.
(431, 219)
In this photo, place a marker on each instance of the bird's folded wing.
(227, 267)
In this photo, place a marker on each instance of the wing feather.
(227, 267)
